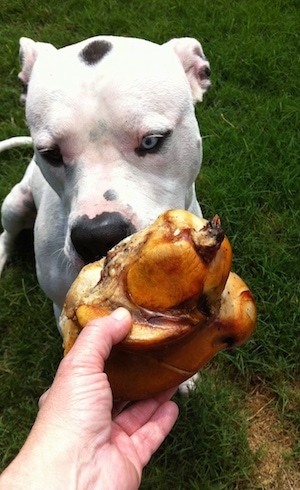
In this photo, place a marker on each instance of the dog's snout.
(92, 238)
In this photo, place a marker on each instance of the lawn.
(240, 429)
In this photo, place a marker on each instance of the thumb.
(95, 341)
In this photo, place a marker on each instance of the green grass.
(208, 446)
(250, 177)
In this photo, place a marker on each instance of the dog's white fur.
(116, 143)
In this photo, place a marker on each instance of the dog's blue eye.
(152, 143)
(149, 142)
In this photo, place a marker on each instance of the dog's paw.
(189, 385)
(5, 249)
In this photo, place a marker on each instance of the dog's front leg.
(18, 213)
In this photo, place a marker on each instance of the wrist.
(43, 462)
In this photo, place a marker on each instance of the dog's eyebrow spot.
(95, 51)
(110, 195)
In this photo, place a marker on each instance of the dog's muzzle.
(93, 238)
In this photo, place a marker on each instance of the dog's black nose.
(92, 238)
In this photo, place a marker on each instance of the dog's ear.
(195, 64)
(29, 51)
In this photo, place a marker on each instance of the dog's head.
(114, 130)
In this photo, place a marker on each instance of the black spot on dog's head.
(93, 52)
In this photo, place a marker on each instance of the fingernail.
(120, 314)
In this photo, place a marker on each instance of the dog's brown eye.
(52, 155)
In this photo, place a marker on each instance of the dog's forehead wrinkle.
(93, 52)
(102, 125)
(98, 130)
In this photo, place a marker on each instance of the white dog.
(116, 143)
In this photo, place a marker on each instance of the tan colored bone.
(174, 277)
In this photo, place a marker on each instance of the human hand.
(75, 442)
